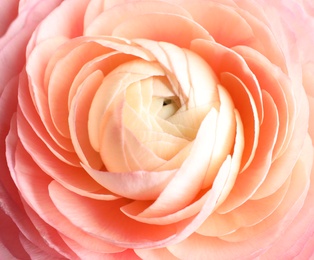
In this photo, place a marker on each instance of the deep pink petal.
(9, 237)
(13, 44)
(8, 12)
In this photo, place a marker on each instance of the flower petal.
(118, 14)
(253, 176)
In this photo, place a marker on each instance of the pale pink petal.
(308, 80)
(175, 29)
(93, 9)
(307, 251)
(118, 14)
(309, 7)
(311, 120)
(293, 32)
(299, 234)
(252, 8)
(264, 40)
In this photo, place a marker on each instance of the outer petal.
(300, 233)
(8, 12)
(17, 211)
(9, 234)
(308, 82)
(112, 17)
(13, 44)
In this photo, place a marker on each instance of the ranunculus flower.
(156, 129)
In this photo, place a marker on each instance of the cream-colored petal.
(225, 139)
(179, 192)
(114, 84)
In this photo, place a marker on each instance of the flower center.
(169, 106)
(148, 115)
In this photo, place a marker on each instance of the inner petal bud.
(149, 120)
